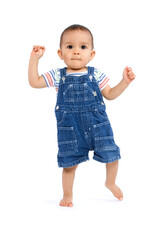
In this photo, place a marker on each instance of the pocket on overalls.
(104, 139)
(101, 114)
(60, 116)
(78, 93)
(67, 142)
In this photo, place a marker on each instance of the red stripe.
(49, 79)
(104, 82)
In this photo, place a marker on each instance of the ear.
(92, 55)
(59, 52)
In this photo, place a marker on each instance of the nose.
(76, 52)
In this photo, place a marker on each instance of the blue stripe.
(45, 80)
(53, 76)
(101, 78)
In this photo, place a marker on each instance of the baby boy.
(82, 121)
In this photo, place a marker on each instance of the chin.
(76, 67)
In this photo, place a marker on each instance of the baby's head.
(75, 27)
(76, 47)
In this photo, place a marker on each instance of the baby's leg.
(111, 173)
(67, 182)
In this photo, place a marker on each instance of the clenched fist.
(128, 75)
(37, 52)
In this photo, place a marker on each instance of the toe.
(70, 204)
(65, 203)
(120, 198)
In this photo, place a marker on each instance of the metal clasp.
(90, 77)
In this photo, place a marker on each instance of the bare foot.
(66, 202)
(115, 190)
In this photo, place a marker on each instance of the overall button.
(57, 107)
(86, 134)
(102, 103)
(90, 77)
(63, 79)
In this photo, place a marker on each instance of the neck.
(71, 70)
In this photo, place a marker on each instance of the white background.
(125, 33)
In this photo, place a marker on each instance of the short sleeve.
(101, 78)
(52, 78)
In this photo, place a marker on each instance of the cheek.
(89, 57)
(66, 57)
(86, 56)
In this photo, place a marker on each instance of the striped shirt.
(52, 78)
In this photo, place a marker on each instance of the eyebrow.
(81, 43)
(85, 43)
(67, 43)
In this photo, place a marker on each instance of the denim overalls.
(82, 122)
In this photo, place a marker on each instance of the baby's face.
(76, 50)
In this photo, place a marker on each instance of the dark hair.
(76, 27)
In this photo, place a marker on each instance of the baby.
(82, 121)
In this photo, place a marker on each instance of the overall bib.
(82, 122)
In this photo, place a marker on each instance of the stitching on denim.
(84, 159)
(101, 124)
(104, 138)
(115, 158)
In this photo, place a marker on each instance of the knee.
(70, 169)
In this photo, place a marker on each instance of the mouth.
(77, 59)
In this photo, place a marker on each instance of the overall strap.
(63, 72)
(90, 70)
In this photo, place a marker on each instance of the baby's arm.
(112, 93)
(35, 80)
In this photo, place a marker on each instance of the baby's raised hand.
(37, 52)
(128, 75)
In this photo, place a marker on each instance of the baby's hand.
(128, 75)
(37, 52)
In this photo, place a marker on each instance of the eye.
(83, 47)
(70, 46)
